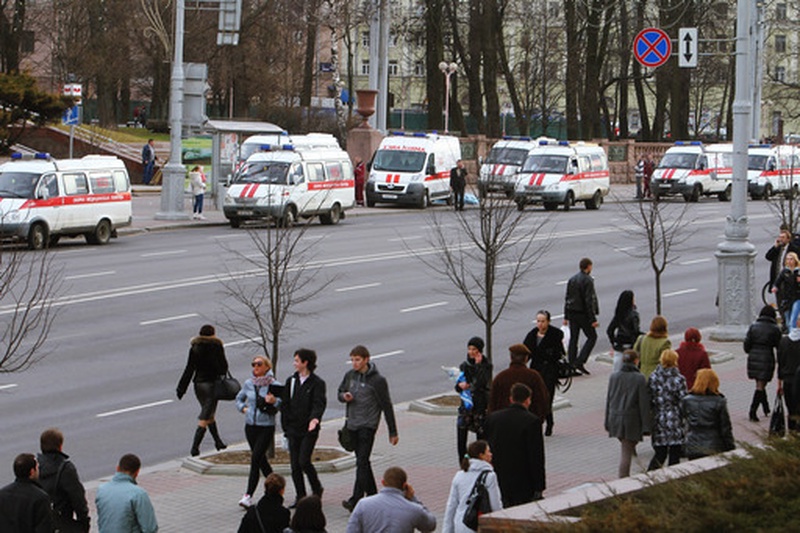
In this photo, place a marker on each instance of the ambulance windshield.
(678, 161)
(398, 161)
(264, 172)
(506, 156)
(556, 164)
(757, 162)
(18, 184)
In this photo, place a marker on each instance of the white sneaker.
(201, 217)
(246, 501)
(194, 216)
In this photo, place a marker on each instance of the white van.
(562, 173)
(412, 169)
(773, 170)
(268, 141)
(292, 182)
(499, 169)
(691, 170)
(43, 199)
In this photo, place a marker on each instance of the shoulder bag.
(226, 387)
(777, 423)
(345, 441)
(477, 503)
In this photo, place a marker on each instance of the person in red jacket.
(692, 356)
(518, 372)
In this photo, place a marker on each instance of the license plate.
(244, 212)
(390, 197)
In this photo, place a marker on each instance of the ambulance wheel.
(370, 202)
(37, 236)
(767, 192)
(725, 196)
(568, 201)
(101, 233)
(423, 200)
(449, 200)
(235, 222)
(521, 204)
(332, 217)
(550, 206)
(288, 219)
(694, 196)
(595, 201)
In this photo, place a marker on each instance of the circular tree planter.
(236, 462)
(447, 404)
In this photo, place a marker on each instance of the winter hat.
(692, 335)
(767, 311)
(477, 342)
(519, 349)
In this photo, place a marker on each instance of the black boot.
(548, 430)
(764, 403)
(199, 433)
(754, 405)
(212, 427)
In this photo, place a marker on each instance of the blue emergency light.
(398, 133)
(420, 134)
(563, 143)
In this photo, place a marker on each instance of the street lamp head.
(443, 66)
(448, 68)
(453, 67)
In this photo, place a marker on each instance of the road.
(129, 309)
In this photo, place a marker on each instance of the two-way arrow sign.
(687, 47)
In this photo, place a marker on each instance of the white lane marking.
(92, 275)
(358, 287)
(168, 252)
(554, 317)
(422, 307)
(695, 261)
(408, 238)
(243, 341)
(167, 319)
(678, 293)
(624, 249)
(382, 355)
(562, 282)
(79, 250)
(134, 408)
(312, 237)
(9, 386)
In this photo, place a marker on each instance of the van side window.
(334, 171)
(347, 171)
(296, 175)
(585, 164)
(101, 182)
(121, 183)
(315, 172)
(49, 185)
(75, 184)
(597, 162)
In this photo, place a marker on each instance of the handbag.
(263, 406)
(226, 387)
(345, 441)
(777, 423)
(477, 503)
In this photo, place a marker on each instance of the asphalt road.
(121, 338)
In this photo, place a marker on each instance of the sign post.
(652, 47)
(72, 116)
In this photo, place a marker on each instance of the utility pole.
(379, 61)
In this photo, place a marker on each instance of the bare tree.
(28, 284)
(488, 256)
(664, 228)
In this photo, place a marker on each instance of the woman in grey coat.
(667, 386)
(627, 408)
(477, 461)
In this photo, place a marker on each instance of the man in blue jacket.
(122, 505)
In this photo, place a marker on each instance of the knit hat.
(477, 342)
(519, 349)
(767, 311)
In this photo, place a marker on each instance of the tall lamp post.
(447, 70)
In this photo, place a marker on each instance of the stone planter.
(365, 102)
(201, 466)
(429, 407)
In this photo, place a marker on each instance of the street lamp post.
(447, 70)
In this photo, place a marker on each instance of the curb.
(428, 408)
(201, 466)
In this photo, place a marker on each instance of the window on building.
(394, 69)
(392, 39)
(419, 68)
(365, 67)
(780, 44)
(365, 39)
(780, 74)
(780, 11)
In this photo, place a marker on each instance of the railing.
(101, 141)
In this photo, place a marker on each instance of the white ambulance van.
(44, 199)
(292, 182)
(563, 173)
(499, 169)
(412, 169)
(691, 170)
(773, 170)
(268, 141)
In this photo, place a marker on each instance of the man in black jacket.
(24, 506)
(580, 313)
(777, 254)
(458, 182)
(59, 478)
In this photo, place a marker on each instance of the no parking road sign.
(652, 47)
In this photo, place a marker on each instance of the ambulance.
(266, 141)
(563, 173)
(499, 169)
(691, 170)
(288, 182)
(43, 199)
(773, 170)
(412, 169)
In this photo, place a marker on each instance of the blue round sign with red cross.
(652, 47)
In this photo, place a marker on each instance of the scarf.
(263, 381)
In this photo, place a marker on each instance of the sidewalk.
(578, 453)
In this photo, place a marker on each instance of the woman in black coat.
(788, 367)
(546, 344)
(708, 423)
(624, 328)
(477, 371)
(268, 515)
(206, 364)
(303, 405)
(760, 343)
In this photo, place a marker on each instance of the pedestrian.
(308, 516)
(649, 168)
(627, 409)
(708, 424)
(259, 406)
(24, 505)
(667, 387)
(638, 172)
(136, 110)
(206, 364)
(580, 314)
(395, 509)
(518, 372)
(148, 161)
(458, 183)
(268, 515)
(360, 174)
(776, 255)
(788, 367)
(143, 116)
(786, 288)
(59, 478)
(475, 463)
(122, 505)
(546, 344)
(650, 345)
(366, 393)
(760, 343)
(197, 183)
(624, 328)
(474, 385)
(303, 404)
(515, 437)
(692, 356)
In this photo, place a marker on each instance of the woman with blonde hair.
(650, 345)
(667, 387)
(708, 423)
(786, 288)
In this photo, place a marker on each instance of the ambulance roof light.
(398, 133)
(543, 142)
(42, 156)
(563, 143)
(759, 146)
(696, 143)
(265, 147)
(289, 147)
(680, 143)
(420, 134)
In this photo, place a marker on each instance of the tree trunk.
(493, 126)
(645, 133)
(434, 52)
(310, 54)
(572, 82)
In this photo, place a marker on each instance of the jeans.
(458, 198)
(300, 450)
(363, 438)
(674, 452)
(197, 206)
(147, 173)
(259, 438)
(792, 324)
(580, 322)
